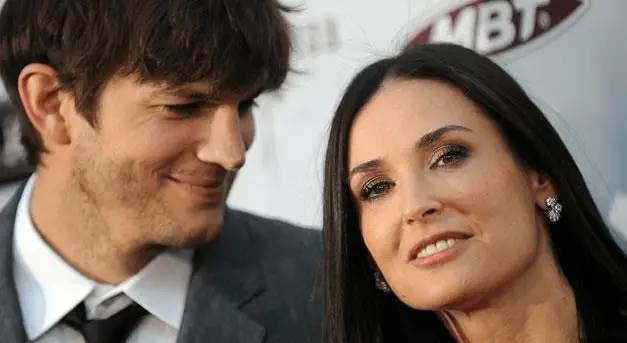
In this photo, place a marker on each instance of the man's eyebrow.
(195, 94)
(187, 93)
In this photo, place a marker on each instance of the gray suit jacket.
(254, 284)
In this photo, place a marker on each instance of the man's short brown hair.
(239, 46)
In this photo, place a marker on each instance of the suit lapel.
(11, 322)
(226, 277)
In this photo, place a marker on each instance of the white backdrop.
(570, 55)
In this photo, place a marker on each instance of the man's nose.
(223, 143)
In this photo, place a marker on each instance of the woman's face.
(446, 211)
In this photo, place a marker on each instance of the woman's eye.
(375, 189)
(450, 155)
(185, 110)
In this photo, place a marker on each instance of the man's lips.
(214, 183)
(211, 189)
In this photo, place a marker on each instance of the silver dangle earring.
(380, 283)
(554, 212)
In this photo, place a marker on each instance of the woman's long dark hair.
(595, 267)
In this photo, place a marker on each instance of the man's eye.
(185, 110)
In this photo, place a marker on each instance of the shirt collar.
(48, 287)
(161, 286)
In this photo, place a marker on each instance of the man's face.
(158, 164)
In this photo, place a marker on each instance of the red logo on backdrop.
(493, 27)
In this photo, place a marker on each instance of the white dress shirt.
(49, 288)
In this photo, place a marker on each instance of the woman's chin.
(455, 297)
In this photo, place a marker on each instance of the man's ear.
(39, 90)
(542, 188)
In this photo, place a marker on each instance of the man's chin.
(189, 228)
(191, 238)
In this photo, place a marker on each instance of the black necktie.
(114, 329)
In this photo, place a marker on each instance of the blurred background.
(570, 55)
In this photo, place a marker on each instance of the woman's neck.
(538, 306)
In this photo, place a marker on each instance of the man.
(13, 165)
(137, 115)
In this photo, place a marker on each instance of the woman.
(453, 212)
